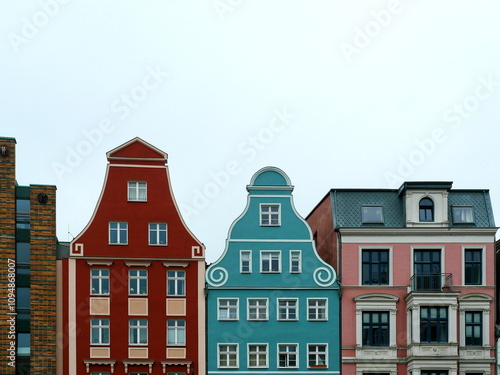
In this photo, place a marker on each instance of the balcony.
(431, 282)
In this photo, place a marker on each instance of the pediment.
(135, 149)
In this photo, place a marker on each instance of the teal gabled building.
(272, 302)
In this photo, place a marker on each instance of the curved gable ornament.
(217, 276)
(324, 276)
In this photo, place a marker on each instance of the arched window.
(426, 210)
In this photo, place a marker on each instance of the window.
(473, 266)
(434, 372)
(287, 309)
(23, 253)
(176, 283)
(427, 270)
(426, 210)
(138, 332)
(137, 191)
(372, 214)
(245, 261)
(316, 356)
(473, 328)
(23, 344)
(23, 300)
(270, 215)
(295, 261)
(157, 234)
(228, 355)
(99, 282)
(375, 267)
(287, 356)
(316, 309)
(176, 332)
(257, 355)
(433, 324)
(270, 262)
(99, 331)
(375, 328)
(463, 214)
(118, 233)
(228, 309)
(138, 282)
(22, 214)
(257, 309)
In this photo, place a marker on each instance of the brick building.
(28, 246)
(133, 297)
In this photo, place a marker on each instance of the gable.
(136, 149)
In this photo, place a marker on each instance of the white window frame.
(475, 302)
(269, 214)
(258, 308)
(317, 353)
(249, 253)
(265, 253)
(102, 325)
(177, 279)
(483, 264)
(134, 280)
(317, 309)
(136, 186)
(121, 226)
(178, 330)
(155, 228)
(258, 354)
(287, 353)
(228, 353)
(288, 308)
(138, 328)
(100, 277)
(299, 260)
(228, 307)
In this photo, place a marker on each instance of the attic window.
(372, 214)
(137, 191)
(426, 210)
(463, 214)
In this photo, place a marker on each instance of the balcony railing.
(431, 282)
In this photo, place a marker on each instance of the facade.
(417, 271)
(133, 299)
(28, 246)
(272, 303)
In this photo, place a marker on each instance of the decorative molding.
(220, 279)
(164, 365)
(176, 264)
(127, 363)
(137, 263)
(100, 262)
(89, 362)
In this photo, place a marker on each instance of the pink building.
(416, 267)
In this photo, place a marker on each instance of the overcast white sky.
(335, 93)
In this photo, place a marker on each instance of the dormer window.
(463, 214)
(372, 214)
(426, 210)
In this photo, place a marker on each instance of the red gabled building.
(133, 281)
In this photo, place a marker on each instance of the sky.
(346, 93)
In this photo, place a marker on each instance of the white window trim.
(279, 260)
(118, 234)
(267, 355)
(278, 309)
(326, 308)
(237, 308)
(128, 191)
(177, 329)
(249, 259)
(296, 353)
(100, 283)
(157, 231)
(138, 329)
(483, 264)
(475, 302)
(279, 214)
(326, 353)
(248, 309)
(101, 328)
(360, 265)
(138, 278)
(376, 302)
(176, 278)
(300, 260)
(237, 354)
